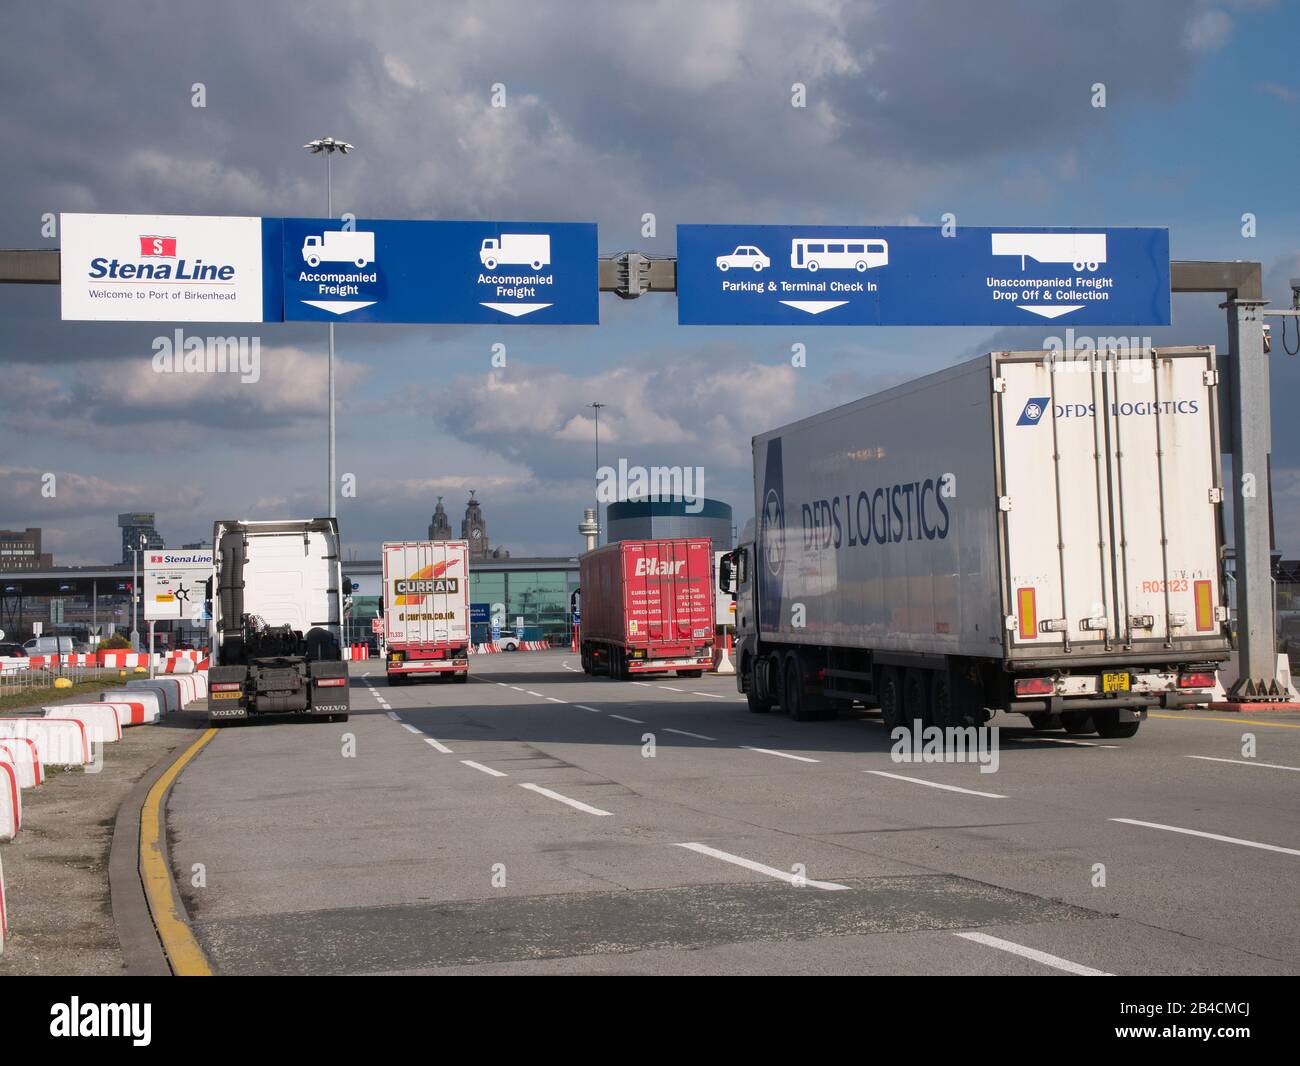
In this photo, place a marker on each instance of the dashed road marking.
(936, 784)
(624, 718)
(412, 729)
(486, 769)
(576, 804)
(1245, 762)
(1054, 961)
(554, 700)
(584, 707)
(438, 747)
(1210, 836)
(783, 754)
(758, 867)
(686, 733)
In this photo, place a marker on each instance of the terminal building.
(22, 551)
(138, 531)
(657, 519)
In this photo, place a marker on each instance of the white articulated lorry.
(1028, 532)
(276, 632)
(425, 604)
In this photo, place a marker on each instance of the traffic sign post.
(920, 276)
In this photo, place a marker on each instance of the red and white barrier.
(153, 703)
(22, 753)
(722, 663)
(99, 719)
(167, 688)
(4, 914)
(59, 741)
(131, 712)
(11, 801)
(354, 652)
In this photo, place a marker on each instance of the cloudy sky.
(680, 109)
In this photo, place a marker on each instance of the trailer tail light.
(1035, 686)
(395, 657)
(331, 682)
(1204, 606)
(1027, 609)
(226, 686)
(1198, 680)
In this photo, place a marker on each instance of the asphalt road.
(520, 824)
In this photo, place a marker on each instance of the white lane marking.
(438, 747)
(643, 684)
(1062, 740)
(501, 683)
(1055, 961)
(758, 867)
(1209, 836)
(568, 667)
(584, 707)
(577, 804)
(713, 694)
(516, 688)
(1245, 762)
(411, 729)
(783, 754)
(935, 784)
(479, 766)
(537, 694)
(554, 700)
(685, 733)
(393, 716)
(624, 718)
(671, 689)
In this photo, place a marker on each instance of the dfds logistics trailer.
(425, 605)
(1030, 532)
(647, 607)
(276, 632)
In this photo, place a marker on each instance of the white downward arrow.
(339, 307)
(814, 307)
(1049, 310)
(515, 310)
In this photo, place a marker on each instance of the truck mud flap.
(330, 692)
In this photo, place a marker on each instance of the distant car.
(746, 255)
(184, 645)
(12, 651)
(508, 642)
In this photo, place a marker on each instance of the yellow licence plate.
(225, 695)
(1114, 682)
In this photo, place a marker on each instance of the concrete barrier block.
(4, 914)
(132, 712)
(59, 741)
(99, 719)
(155, 705)
(167, 689)
(11, 801)
(22, 752)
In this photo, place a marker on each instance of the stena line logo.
(172, 267)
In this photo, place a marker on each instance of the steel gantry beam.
(633, 274)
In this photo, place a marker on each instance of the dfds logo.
(1035, 407)
(774, 532)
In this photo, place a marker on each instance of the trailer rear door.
(1110, 490)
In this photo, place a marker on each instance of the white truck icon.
(340, 246)
(1080, 250)
(531, 249)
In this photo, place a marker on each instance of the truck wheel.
(942, 711)
(891, 698)
(794, 698)
(1109, 726)
(756, 705)
(462, 679)
(396, 679)
(916, 698)
(1045, 721)
(1078, 723)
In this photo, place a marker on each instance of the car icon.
(744, 256)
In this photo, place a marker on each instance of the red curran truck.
(425, 605)
(1028, 532)
(647, 607)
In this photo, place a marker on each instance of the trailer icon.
(516, 249)
(1080, 250)
(339, 246)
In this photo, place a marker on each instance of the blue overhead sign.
(376, 270)
(916, 276)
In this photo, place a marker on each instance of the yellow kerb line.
(182, 950)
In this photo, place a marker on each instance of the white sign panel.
(161, 268)
(174, 583)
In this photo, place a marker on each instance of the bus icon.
(838, 253)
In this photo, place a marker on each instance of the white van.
(48, 646)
